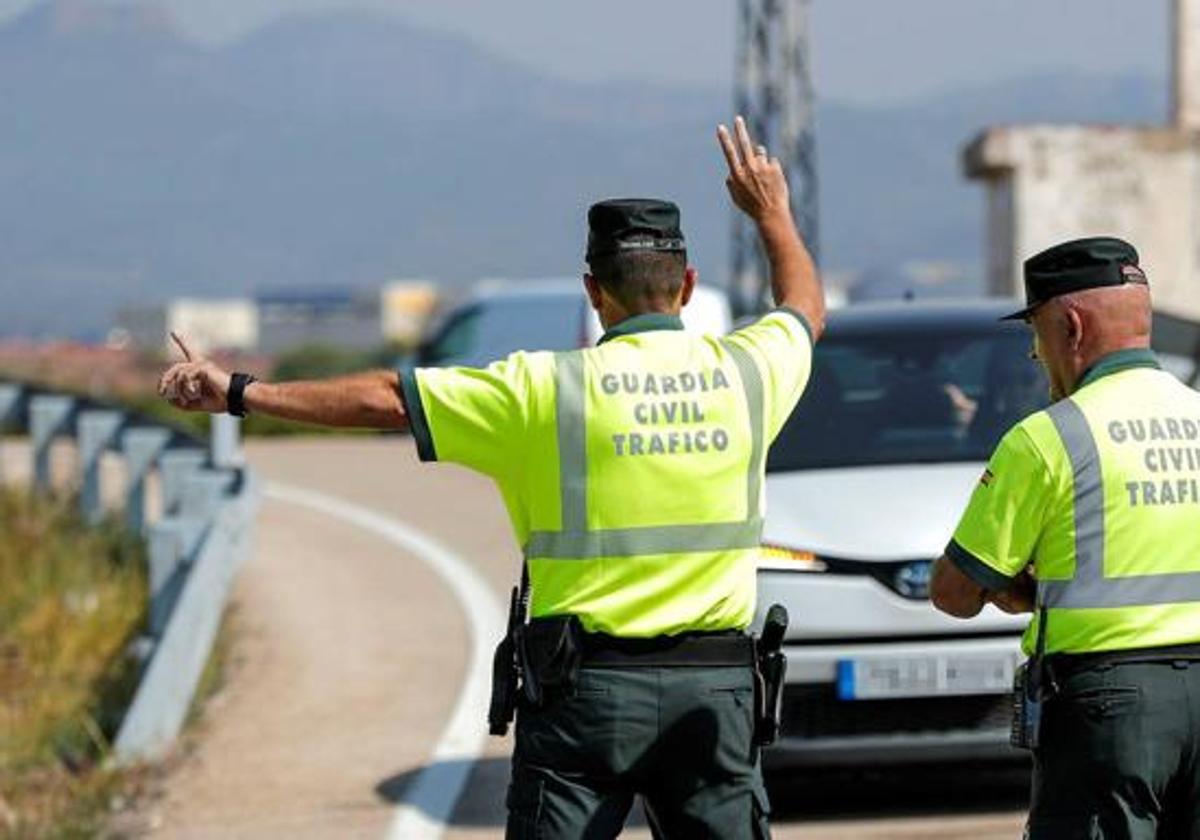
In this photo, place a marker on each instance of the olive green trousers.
(1120, 755)
(678, 736)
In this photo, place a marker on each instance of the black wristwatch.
(235, 402)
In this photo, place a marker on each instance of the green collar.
(1117, 362)
(642, 323)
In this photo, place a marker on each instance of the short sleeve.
(476, 417)
(782, 347)
(1003, 522)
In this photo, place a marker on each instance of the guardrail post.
(245, 513)
(173, 467)
(203, 492)
(225, 441)
(170, 545)
(49, 417)
(11, 405)
(141, 447)
(95, 432)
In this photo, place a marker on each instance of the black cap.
(1076, 265)
(627, 224)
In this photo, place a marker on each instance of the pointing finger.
(183, 346)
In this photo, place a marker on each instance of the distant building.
(282, 320)
(1049, 183)
(338, 317)
(210, 324)
(405, 307)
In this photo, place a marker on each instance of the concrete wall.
(1047, 184)
(1185, 64)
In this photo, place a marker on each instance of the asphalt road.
(350, 654)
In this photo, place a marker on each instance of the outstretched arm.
(760, 190)
(364, 400)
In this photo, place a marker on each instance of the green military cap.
(1076, 265)
(631, 224)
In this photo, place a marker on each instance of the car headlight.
(791, 559)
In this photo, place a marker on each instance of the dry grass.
(71, 601)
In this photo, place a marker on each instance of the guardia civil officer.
(633, 475)
(1089, 516)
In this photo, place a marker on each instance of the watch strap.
(235, 400)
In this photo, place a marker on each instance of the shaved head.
(1115, 317)
(1075, 330)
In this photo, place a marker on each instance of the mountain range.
(342, 150)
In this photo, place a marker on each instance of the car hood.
(869, 513)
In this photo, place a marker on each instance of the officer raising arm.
(1089, 516)
(633, 473)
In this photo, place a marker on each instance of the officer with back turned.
(633, 473)
(1089, 516)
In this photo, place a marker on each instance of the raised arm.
(363, 400)
(760, 190)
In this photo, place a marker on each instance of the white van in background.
(500, 317)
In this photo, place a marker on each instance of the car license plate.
(884, 677)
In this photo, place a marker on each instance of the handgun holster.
(550, 651)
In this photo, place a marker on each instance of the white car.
(864, 488)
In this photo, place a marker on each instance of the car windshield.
(910, 397)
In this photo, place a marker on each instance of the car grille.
(816, 712)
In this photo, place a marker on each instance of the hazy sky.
(875, 51)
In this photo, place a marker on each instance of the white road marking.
(432, 795)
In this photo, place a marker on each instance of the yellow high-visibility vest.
(632, 471)
(1101, 492)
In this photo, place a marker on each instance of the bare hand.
(1020, 597)
(195, 384)
(756, 181)
(964, 406)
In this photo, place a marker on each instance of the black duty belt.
(711, 650)
(1065, 664)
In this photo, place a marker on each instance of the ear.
(690, 276)
(1074, 325)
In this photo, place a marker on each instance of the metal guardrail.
(208, 502)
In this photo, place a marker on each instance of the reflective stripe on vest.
(1089, 588)
(577, 542)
